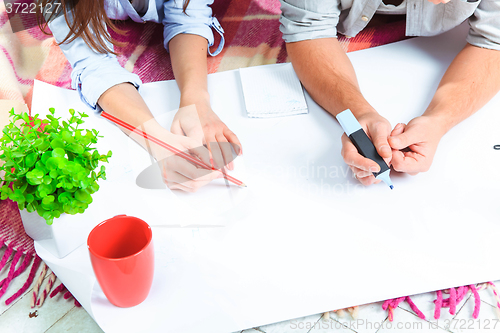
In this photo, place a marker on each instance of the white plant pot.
(62, 237)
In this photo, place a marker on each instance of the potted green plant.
(51, 168)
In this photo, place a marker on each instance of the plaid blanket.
(251, 31)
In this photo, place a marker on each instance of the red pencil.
(169, 147)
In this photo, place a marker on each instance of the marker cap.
(348, 122)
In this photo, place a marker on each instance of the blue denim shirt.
(94, 73)
(310, 19)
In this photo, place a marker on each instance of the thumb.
(379, 135)
(405, 139)
(197, 150)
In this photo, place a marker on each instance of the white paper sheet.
(272, 91)
(270, 252)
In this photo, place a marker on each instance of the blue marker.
(365, 147)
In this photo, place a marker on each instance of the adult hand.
(177, 172)
(378, 130)
(415, 144)
(199, 122)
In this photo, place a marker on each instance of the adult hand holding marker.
(361, 154)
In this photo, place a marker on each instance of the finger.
(216, 153)
(405, 139)
(400, 127)
(409, 162)
(176, 128)
(176, 186)
(361, 173)
(188, 186)
(192, 172)
(201, 153)
(364, 177)
(235, 142)
(367, 181)
(179, 170)
(379, 134)
(227, 151)
(353, 158)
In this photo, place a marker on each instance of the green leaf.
(25, 117)
(52, 110)
(47, 180)
(30, 198)
(64, 197)
(52, 163)
(46, 156)
(58, 152)
(48, 200)
(17, 196)
(30, 208)
(83, 196)
(30, 160)
(57, 143)
(66, 135)
(44, 145)
(76, 148)
(44, 190)
(37, 142)
(18, 154)
(94, 187)
(35, 176)
(40, 166)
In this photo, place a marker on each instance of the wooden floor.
(60, 315)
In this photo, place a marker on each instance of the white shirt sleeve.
(93, 73)
(197, 20)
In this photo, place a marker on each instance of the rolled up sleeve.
(93, 73)
(485, 25)
(309, 19)
(197, 20)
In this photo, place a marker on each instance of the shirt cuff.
(299, 24)
(483, 42)
(200, 29)
(91, 83)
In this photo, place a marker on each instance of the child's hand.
(199, 122)
(177, 172)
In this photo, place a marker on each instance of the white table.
(229, 258)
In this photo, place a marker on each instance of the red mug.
(122, 256)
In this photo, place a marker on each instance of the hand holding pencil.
(185, 164)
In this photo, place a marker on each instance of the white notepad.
(272, 91)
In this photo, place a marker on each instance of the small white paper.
(272, 91)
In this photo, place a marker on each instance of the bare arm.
(189, 62)
(472, 79)
(328, 75)
(124, 102)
